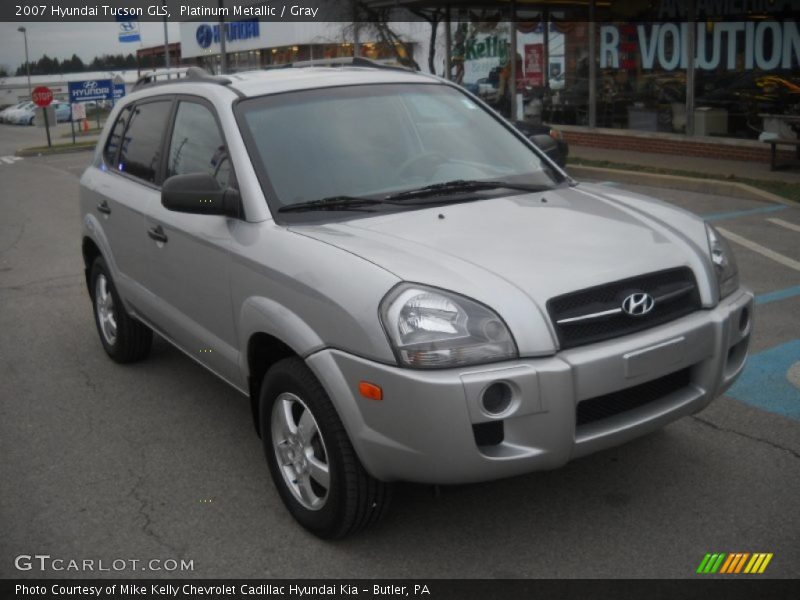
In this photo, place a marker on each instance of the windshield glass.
(377, 140)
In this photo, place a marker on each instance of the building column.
(592, 66)
(691, 44)
(513, 59)
(448, 42)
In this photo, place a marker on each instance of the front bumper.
(423, 429)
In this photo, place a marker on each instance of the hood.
(537, 245)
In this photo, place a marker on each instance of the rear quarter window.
(112, 144)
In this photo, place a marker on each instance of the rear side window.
(114, 139)
(141, 146)
(197, 145)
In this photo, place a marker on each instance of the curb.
(27, 152)
(676, 182)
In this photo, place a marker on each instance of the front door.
(190, 253)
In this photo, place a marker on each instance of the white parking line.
(10, 159)
(786, 224)
(763, 251)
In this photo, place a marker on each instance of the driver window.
(197, 146)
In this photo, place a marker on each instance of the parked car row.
(25, 113)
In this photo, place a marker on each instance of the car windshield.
(374, 141)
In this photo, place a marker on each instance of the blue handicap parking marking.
(790, 292)
(771, 381)
(736, 214)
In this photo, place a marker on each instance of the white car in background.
(21, 114)
(7, 113)
(25, 115)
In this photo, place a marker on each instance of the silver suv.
(403, 285)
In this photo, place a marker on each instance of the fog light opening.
(744, 319)
(496, 398)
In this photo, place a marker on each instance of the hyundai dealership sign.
(202, 38)
(93, 89)
(235, 30)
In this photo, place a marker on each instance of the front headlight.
(724, 262)
(431, 328)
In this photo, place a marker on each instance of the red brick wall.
(673, 146)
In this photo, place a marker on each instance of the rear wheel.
(313, 464)
(124, 338)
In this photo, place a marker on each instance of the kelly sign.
(94, 89)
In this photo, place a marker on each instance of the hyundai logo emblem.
(638, 304)
(204, 36)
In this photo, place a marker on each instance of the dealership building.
(611, 73)
(623, 79)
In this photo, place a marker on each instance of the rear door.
(189, 253)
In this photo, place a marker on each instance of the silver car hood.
(509, 251)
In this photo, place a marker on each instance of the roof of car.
(256, 83)
(294, 77)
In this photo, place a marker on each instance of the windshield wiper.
(332, 203)
(464, 185)
(436, 189)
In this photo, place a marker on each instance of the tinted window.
(141, 147)
(112, 145)
(197, 145)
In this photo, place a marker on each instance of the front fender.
(263, 315)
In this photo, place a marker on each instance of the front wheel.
(313, 464)
(124, 338)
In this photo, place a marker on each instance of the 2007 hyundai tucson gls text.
(405, 287)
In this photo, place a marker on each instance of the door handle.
(104, 208)
(157, 234)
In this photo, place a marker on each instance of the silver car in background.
(403, 285)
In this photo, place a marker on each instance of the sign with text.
(42, 96)
(78, 111)
(735, 46)
(93, 89)
(534, 64)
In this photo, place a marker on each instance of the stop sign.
(42, 96)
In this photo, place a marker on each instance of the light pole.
(166, 41)
(27, 62)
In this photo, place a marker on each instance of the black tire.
(354, 499)
(132, 339)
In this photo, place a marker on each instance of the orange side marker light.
(370, 390)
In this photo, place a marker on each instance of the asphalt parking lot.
(160, 460)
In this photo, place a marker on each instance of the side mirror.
(200, 194)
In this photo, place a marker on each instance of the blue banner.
(93, 89)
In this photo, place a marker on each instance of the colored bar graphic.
(741, 562)
(765, 563)
(734, 563)
(703, 563)
(754, 563)
(718, 563)
(727, 564)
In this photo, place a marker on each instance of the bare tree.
(377, 22)
(433, 18)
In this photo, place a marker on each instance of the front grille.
(603, 407)
(676, 289)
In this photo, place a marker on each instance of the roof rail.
(193, 74)
(345, 61)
